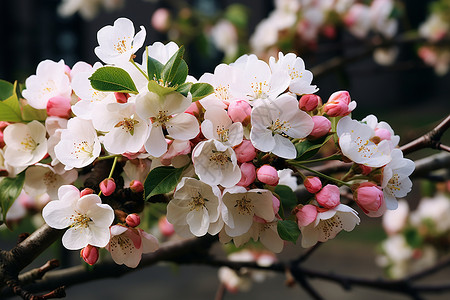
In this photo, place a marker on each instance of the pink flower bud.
(3, 124)
(121, 97)
(309, 102)
(2, 141)
(306, 215)
(248, 172)
(89, 254)
(329, 196)
(365, 170)
(136, 186)
(86, 191)
(165, 227)
(108, 186)
(339, 104)
(193, 109)
(383, 134)
(240, 111)
(133, 220)
(369, 197)
(245, 152)
(312, 184)
(321, 126)
(161, 19)
(268, 175)
(58, 107)
(275, 204)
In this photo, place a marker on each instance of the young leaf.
(184, 88)
(288, 230)
(30, 113)
(201, 90)
(171, 67)
(7, 89)
(308, 149)
(287, 196)
(154, 87)
(154, 68)
(112, 79)
(9, 107)
(10, 189)
(161, 180)
(181, 74)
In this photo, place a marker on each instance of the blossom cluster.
(218, 146)
(415, 239)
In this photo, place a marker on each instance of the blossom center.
(123, 242)
(260, 89)
(82, 149)
(128, 125)
(219, 157)
(293, 73)
(197, 202)
(49, 178)
(222, 133)
(29, 144)
(279, 127)
(161, 118)
(329, 226)
(244, 206)
(80, 220)
(121, 46)
(49, 87)
(223, 92)
(394, 183)
(363, 148)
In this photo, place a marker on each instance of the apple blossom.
(160, 52)
(79, 145)
(222, 80)
(161, 19)
(274, 121)
(396, 183)
(328, 224)
(218, 125)
(118, 43)
(240, 206)
(287, 178)
(395, 220)
(216, 163)
(195, 204)
(25, 143)
(50, 81)
(358, 144)
(382, 130)
(166, 112)
(87, 218)
(128, 244)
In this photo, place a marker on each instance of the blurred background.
(406, 93)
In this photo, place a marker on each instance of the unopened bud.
(86, 191)
(133, 220)
(322, 126)
(309, 102)
(240, 111)
(165, 227)
(58, 107)
(89, 254)
(369, 197)
(248, 174)
(329, 196)
(339, 104)
(268, 175)
(161, 19)
(108, 186)
(245, 152)
(312, 184)
(136, 186)
(306, 215)
(121, 97)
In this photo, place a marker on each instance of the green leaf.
(161, 180)
(201, 90)
(10, 189)
(413, 237)
(288, 230)
(287, 196)
(307, 149)
(171, 67)
(7, 89)
(181, 74)
(184, 88)
(9, 107)
(113, 79)
(154, 87)
(30, 113)
(154, 68)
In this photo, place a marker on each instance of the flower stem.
(340, 182)
(108, 157)
(140, 70)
